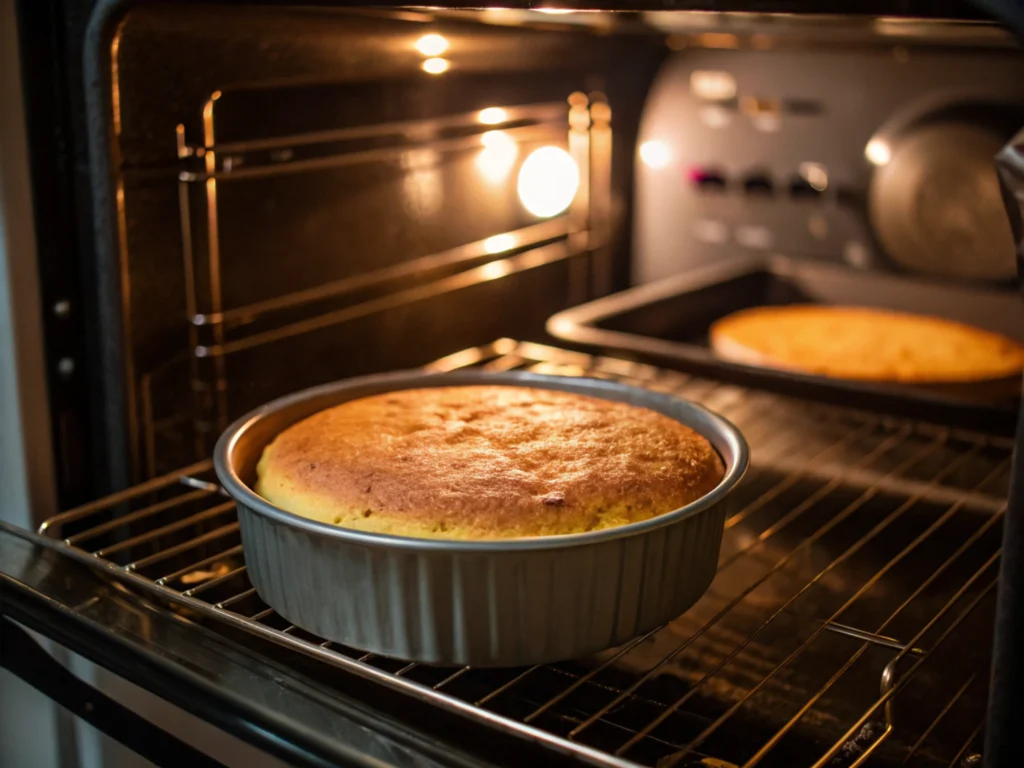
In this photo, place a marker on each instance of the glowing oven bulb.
(548, 181)
(878, 152)
(432, 45)
(496, 159)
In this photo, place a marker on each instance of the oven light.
(655, 154)
(877, 152)
(548, 181)
(496, 159)
(500, 243)
(436, 66)
(492, 116)
(555, 11)
(432, 45)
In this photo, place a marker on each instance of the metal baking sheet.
(667, 322)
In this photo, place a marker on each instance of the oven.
(207, 206)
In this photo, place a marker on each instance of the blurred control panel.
(878, 157)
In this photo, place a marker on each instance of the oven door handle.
(25, 658)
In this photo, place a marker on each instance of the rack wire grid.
(850, 619)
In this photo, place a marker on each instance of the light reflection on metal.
(492, 116)
(239, 316)
(714, 115)
(815, 175)
(500, 243)
(580, 217)
(495, 269)
(655, 154)
(579, 150)
(878, 152)
(422, 187)
(215, 398)
(432, 45)
(436, 66)
(598, 182)
(502, 16)
(548, 181)
(718, 40)
(765, 114)
(710, 231)
(496, 159)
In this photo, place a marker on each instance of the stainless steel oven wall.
(296, 196)
(855, 144)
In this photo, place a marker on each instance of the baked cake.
(485, 462)
(866, 344)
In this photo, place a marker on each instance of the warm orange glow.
(495, 269)
(500, 243)
(815, 174)
(432, 45)
(718, 40)
(436, 66)
(712, 84)
(496, 159)
(492, 116)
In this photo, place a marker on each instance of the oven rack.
(217, 331)
(853, 599)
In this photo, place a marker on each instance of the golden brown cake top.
(485, 462)
(866, 344)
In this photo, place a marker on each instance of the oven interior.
(289, 196)
(850, 618)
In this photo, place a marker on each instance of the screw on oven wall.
(62, 308)
(65, 367)
(971, 761)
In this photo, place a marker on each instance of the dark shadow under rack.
(850, 618)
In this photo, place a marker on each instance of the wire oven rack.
(850, 619)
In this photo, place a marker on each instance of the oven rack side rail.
(209, 566)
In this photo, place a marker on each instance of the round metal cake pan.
(480, 603)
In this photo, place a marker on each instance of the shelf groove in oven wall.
(855, 535)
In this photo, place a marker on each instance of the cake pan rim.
(724, 433)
